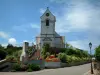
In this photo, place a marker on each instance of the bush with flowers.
(52, 58)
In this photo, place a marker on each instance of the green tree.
(97, 53)
(3, 53)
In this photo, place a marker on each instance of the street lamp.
(90, 45)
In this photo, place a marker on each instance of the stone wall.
(96, 66)
(5, 66)
(38, 62)
(52, 64)
(60, 64)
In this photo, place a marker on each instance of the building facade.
(48, 35)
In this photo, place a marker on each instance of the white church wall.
(50, 31)
(58, 42)
(47, 29)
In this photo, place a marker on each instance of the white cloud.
(4, 44)
(75, 18)
(25, 41)
(4, 35)
(42, 10)
(80, 16)
(12, 41)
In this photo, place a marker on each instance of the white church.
(48, 35)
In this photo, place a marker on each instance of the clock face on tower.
(47, 14)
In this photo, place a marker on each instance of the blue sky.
(78, 20)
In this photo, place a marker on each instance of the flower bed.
(52, 58)
(52, 62)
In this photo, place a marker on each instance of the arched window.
(47, 22)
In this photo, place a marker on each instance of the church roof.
(38, 35)
(47, 11)
(56, 34)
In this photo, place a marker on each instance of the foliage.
(77, 52)
(45, 50)
(34, 67)
(73, 59)
(17, 67)
(62, 57)
(12, 49)
(23, 67)
(2, 54)
(29, 70)
(52, 58)
(17, 53)
(30, 50)
(48, 54)
(97, 53)
(10, 58)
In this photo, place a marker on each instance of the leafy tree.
(12, 49)
(3, 53)
(97, 53)
(9, 46)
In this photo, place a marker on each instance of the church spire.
(47, 7)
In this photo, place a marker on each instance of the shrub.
(24, 67)
(10, 58)
(69, 59)
(97, 53)
(62, 57)
(17, 67)
(29, 70)
(72, 59)
(34, 67)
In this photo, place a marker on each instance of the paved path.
(74, 70)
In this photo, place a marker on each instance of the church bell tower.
(48, 22)
(47, 27)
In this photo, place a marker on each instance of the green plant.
(69, 59)
(45, 49)
(10, 58)
(97, 53)
(17, 67)
(62, 57)
(34, 67)
(2, 54)
(29, 70)
(24, 67)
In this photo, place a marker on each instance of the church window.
(47, 22)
